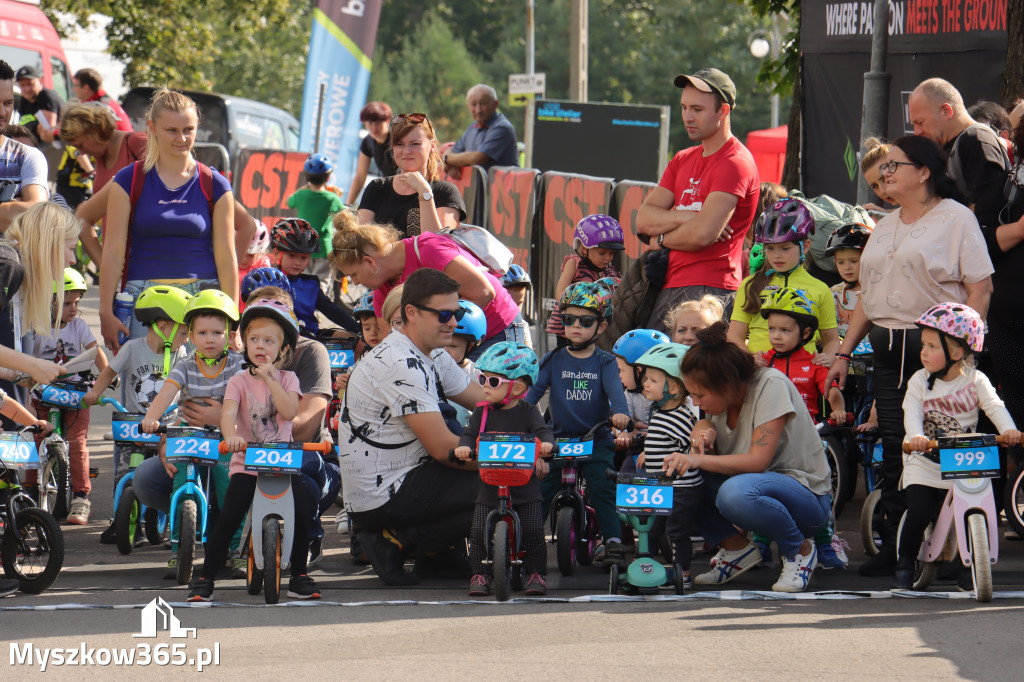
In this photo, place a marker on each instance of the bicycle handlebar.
(322, 448)
(932, 444)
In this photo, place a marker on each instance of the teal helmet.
(511, 360)
(667, 357)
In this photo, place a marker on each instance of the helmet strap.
(949, 362)
(586, 260)
(210, 362)
(666, 395)
(771, 271)
(167, 340)
(589, 342)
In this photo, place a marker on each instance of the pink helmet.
(957, 321)
(275, 310)
(260, 239)
(788, 220)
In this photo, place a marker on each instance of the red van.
(27, 38)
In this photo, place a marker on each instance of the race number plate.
(506, 451)
(18, 451)
(274, 458)
(341, 355)
(127, 429)
(643, 495)
(189, 442)
(61, 395)
(971, 456)
(574, 448)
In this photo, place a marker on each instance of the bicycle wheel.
(126, 520)
(271, 560)
(836, 456)
(586, 543)
(253, 575)
(502, 562)
(871, 523)
(678, 579)
(55, 489)
(155, 526)
(565, 540)
(613, 579)
(1013, 503)
(186, 541)
(38, 563)
(981, 564)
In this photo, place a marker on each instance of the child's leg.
(220, 480)
(76, 433)
(306, 507)
(680, 524)
(922, 503)
(122, 462)
(601, 491)
(478, 541)
(549, 487)
(236, 505)
(531, 521)
(824, 536)
(179, 480)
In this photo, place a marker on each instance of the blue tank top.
(306, 289)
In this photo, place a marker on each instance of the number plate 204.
(275, 458)
(506, 451)
(974, 456)
(189, 442)
(644, 495)
(18, 452)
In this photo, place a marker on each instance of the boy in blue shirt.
(584, 381)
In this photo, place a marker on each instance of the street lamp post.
(761, 44)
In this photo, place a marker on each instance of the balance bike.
(967, 519)
(271, 521)
(639, 499)
(190, 504)
(55, 475)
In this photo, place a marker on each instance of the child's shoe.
(480, 585)
(78, 514)
(614, 553)
(536, 586)
(239, 567)
(833, 555)
(200, 589)
(171, 572)
(302, 587)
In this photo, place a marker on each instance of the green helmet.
(73, 281)
(161, 302)
(212, 301)
(665, 356)
(792, 302)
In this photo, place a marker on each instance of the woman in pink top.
(374, 256)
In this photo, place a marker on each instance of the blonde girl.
(689, 317)
(146, 244)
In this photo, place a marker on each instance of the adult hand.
(640, 459)
(413, 180)
(109, 328)
(760, 360)
(823, 359)
(42, 371)
(726, 234)
(199, 412)
(169, 468)
(46, 428)
(679, 463)
(837, 372)
(702, 437)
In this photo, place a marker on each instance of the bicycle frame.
(965, 496)
(504, 512)
(190, 489)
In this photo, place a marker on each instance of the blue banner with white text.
(340, 56)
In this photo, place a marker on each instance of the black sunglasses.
(493, 382)
(443, 316)
(586, 321)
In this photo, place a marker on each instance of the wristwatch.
(427, 196)
(661, 239)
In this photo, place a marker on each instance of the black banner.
(963, 41)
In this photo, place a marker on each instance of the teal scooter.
(639, 499)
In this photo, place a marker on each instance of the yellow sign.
(521, 100)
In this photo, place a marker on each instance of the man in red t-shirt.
(706, 200)
(88, 87)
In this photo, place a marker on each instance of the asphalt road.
(850, 628)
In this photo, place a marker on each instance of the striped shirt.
(669, 432)
(195, 379)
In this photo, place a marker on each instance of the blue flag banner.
(340, 56)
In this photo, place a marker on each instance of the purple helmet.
(598, 231)
(788, 220)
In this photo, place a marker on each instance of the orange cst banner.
(627, 198)
(512, 206)
(266, 178)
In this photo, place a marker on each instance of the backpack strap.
(206, 184)
(135, 191)
(416, 248)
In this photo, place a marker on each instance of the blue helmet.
(509, 359)
(364, 305)
(318, 164)
(632, 345)
(473, 324)
(515, 276)
(265, 277)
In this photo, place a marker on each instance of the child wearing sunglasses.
(584, 381)
(506, 372)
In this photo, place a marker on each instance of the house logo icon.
(158, 615)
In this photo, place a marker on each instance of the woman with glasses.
(416, 199)
(930, 250)
(375, 256)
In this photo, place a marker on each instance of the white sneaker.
(796, 573)
(727, 565)
(78, 514)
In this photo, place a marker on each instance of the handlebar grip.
(161, 429)
(323, 448)
(32, 429)
(611, 474)
(932, 444)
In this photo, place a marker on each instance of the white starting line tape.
(724, 595)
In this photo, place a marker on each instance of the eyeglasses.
(892, 166)
(443, 316)
(493, 382)
(586, 321)
(396, 324)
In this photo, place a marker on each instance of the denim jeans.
(134, 287)
(517, 332)
(776, 506)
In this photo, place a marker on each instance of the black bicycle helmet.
(849, 236)
(294, 235)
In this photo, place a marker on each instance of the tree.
(1013, 76)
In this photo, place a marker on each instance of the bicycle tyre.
(186, 541)
(678, 579)
(502, 561)
(271, 560)
(1013, 503)
(565, 540)
(126, 520)
(981, 564)
(253, 575)
(613, 579)
(871, 523)
(836, 456)
(45, 542)
(586, 544)
(154, 527)
(55, 488)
